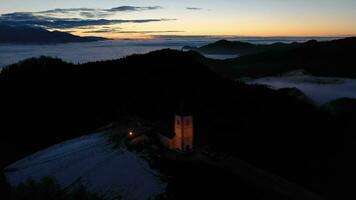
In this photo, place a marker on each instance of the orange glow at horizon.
(144, 19)
(143, 36)
(250, 26)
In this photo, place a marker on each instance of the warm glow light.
(130, 133)
(267, 18)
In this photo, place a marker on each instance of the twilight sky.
(144, 18)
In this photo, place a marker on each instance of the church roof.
(169, 135)
(166, 124)
(166, 127)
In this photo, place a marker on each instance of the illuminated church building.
(182, 139)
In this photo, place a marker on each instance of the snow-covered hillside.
(92, 161)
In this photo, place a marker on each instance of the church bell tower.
(184, 132)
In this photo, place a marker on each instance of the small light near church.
(130, 133)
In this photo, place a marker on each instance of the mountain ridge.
(37, 35)
(327, 58)
(241, 48)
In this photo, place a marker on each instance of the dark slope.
(332, 58)
(45, 101)
(224, 47)
(242, 48)
(31, 35)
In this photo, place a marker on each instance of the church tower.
(183, 128)
(183, 136)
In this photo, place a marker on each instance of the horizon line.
(150, 37)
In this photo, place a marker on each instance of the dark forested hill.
(224, 47)
(330, 58)
(44, 101)
(242, 48)
(32, 35)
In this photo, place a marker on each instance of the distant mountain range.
(33, 35)
(329, 58)
(242, 48)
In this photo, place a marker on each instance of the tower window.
(187, 122)
(178, 122)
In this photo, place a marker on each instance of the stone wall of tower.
(188, 133)
(183, 139)
(178, 130)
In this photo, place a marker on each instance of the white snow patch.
(91, 160)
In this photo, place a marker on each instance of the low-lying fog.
(319, 89)
(114, 49)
